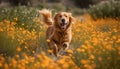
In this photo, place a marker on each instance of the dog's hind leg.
(53, 47)
(55, 50)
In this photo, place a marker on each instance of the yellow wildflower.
(84, 61)
(78, 49)
(92, 57)
(118, 41)
(48, 40)
(50, 51)
(18, 49)
(70, 51)
(6, 66)
(0, 64)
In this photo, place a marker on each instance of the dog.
(59, 31)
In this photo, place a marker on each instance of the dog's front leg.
(65, 41)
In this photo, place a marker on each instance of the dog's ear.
(71, 18)
(56, 17)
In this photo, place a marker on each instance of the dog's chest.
(60, 37)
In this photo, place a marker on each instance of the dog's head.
(63, 20)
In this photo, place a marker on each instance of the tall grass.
(25, 17)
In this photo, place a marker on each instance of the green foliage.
(77, 11)
(56, 6)
(24, 24)
(7, 45)
(105, 9)
(25, 17)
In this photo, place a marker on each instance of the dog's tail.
(47, 16)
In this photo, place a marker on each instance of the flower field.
(95, 45)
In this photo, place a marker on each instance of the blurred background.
(79, 3)
(74, 6)
(49, 3)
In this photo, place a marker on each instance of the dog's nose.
(63, 20)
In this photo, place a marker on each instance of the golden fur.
(58, 34)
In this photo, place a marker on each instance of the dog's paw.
(65, 45)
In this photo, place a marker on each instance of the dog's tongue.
(62, 24)
(64, 27)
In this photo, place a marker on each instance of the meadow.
(95, 43)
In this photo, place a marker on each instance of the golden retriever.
(59, 33)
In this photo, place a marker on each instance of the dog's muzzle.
(63, 24)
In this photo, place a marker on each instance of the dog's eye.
(60, 16)
(65, 15)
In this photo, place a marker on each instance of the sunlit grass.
(95, 45)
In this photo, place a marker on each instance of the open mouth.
(63, 23)
(63, 26)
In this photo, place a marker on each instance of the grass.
(26, 17)
(95, 45)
